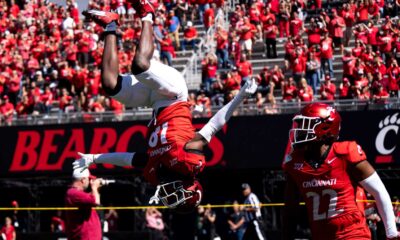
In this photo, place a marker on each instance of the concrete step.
(187, 54)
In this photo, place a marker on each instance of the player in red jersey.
(174, 155)
(326, 173)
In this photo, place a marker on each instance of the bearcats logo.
(389, 124)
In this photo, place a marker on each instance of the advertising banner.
(245, 142)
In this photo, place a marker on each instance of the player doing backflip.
(175, 151)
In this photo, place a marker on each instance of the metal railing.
(249, 108)
(192, 70)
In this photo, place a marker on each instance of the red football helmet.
(316, 122)
(183, 196)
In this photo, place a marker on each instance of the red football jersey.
(329, 192)
(167, 135)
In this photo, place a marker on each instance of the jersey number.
(332, 211)
(163, 136)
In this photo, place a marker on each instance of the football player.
(326, 173)
(175, 151)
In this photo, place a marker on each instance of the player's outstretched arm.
(121, 159)
(223, 115)
(370, 181)
(290, 210)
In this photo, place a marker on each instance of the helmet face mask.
(177, 195)
(316, 122)
(303, 129)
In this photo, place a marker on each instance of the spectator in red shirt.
(328, 89)
(97, 105)
(298, 64)
(7, 110)
(381, 95)
(83, 224)
(372, 31)
(24, 107)
(244, 68)
(2, 82)
(393, 72)
(203, 104)
(235, 48)
(232, 82)
(8, 230)
(314, 32)
(117, 107)
(348, 64)
(38, 107)
(349, 18)
(189, 36)
(284, 18)
(362, 13)
(255, 19)
(210, 68)
(222, 48)
(385, 43)
(344, 89)
(246, 36)
(373, 10)
(83, 50)
(289, 90)
(305, 92)
(268, 15)
(66, 104)
(263, 80)
(166, 45)
(270, 32)
(336, 26)
(71, 52)
(209, 16)
(296, 25)
(14, 85)
(327, 55)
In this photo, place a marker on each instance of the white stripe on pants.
(258, 231)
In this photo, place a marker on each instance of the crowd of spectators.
(50, 56)
(364, 35)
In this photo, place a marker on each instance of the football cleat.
(143, 7)
(100, 17)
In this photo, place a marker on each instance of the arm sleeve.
(220, 118)
(121, 159)
(373, 184)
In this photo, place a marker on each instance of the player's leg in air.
(167, 88)
(124, 88)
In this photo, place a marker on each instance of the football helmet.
(316, 122)
(182, 196)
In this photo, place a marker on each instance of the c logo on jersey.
(389, 124)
